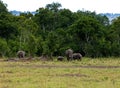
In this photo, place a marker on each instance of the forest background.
(52, 30)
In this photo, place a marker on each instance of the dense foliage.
(52, 30)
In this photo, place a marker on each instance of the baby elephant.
(60, 58)
(21, 54)
(77, 56)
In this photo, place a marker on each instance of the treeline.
(52, 30)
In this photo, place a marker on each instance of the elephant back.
(77, 56)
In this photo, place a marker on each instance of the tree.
(54, 7)
(65, 18)
(101, 18)
(26, 28)
(87, 32)
(52, 30)
(28, 15)
(115, 27)
(3, 7)
(44, 18)
(114, 36)
(4, 49)
(32, 45)
(51, 44)
(7, 27)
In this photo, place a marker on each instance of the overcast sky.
(99, 6)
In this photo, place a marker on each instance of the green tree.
(54, 7)
(28, 15)
(4, 49)
(13, 45)
(32, 45)
(51, 44)
(26, 28)
(101, 18)
(87, 32)
(65, 18)
(114, 37)
(8, 28)
(3, 7)
(44, 18)
(115, 26)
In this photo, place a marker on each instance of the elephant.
(60, 58)
(21, 54)
(77, 56)
(69, 54)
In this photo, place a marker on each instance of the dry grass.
(54, 74)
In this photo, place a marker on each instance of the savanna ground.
(88, 73)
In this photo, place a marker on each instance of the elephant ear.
(68, 52)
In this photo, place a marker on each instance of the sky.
(99, 6)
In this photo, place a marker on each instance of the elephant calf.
(21, 54)
(60, 58)
(77, 56)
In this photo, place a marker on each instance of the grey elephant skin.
(69, 54)
(21, 54)
(60, 58)
(77, 56)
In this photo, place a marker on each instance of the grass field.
(88, 73)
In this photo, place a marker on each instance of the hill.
(17, 13)
(111, 16)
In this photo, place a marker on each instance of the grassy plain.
(88, 73)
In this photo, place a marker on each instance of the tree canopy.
(53, 29)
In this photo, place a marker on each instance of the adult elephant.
(21, 54)
(77, 56)
(69, 54)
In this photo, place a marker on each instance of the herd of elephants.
(69, 54)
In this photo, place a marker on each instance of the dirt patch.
(19, 59)
(98, 67)
(55, 66)
(72, 75)
(62, 66)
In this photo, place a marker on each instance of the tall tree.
(3, 7)
(44, 18)
(54, 6)
(114, 36)
(87, 31)
(4, 49)
(28, 15)
(8, 28)
(65, 18)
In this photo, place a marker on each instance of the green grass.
(55, 74)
